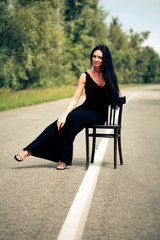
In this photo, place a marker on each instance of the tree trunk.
(28, 79)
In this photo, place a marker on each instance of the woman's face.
(97, 58)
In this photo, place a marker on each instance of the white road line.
(74, 224)
(129, 98)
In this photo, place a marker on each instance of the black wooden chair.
(113, 122)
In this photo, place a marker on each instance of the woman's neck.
(97, 70)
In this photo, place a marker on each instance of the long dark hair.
(108, 72)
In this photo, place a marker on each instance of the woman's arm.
(80, 87)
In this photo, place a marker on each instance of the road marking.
(76, 218)
(74, 224)
(129, 98)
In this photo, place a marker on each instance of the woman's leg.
(76, 121)
(58, 145)
(39, 146)
(48, 133)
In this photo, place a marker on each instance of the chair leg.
(120, 150)
(115, 148)
(93, 145)
(87, 148)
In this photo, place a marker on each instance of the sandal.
(18, 157)
(61, 166)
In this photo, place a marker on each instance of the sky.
(140, 15)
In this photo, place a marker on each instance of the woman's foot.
(61, 165)
(21, 156)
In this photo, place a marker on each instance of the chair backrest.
(114, 115)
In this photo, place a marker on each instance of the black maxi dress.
(57, 145)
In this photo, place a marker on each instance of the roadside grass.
(13, 99)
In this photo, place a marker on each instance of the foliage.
(133, 63)
(31, 43)
(148, 66)
(83, 30)
(48, 43)
(136, 39)
(116, 36)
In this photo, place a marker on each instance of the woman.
(56, 141)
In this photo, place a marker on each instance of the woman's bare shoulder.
(83, 75)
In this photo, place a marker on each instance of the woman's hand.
(60, 122)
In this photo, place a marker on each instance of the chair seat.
(106, 126)
(105, 135)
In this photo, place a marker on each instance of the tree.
(136, 39)
(116, 36)
(148, 66)
(124, 62)
(84, 28)
(48, 42)
(30, 44)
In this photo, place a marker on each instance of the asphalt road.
(35, 198)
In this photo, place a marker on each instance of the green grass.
(12, 99)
